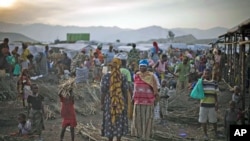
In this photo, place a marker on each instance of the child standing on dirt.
(23, 86)
(68, 114)
(236, 97)
(24, 125)
(231, 118)
(163, 101)
(36, 111)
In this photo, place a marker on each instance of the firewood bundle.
(65, 89)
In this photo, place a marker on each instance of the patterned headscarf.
(117, 103)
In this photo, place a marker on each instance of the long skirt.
(37, 123)
(142, 123)
(120, 127)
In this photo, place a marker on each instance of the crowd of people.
(133, 84)
(13, 62)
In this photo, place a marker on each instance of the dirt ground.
(183, 116)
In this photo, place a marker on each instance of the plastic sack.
(198, 92)
(82, 75)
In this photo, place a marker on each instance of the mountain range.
(49, 33)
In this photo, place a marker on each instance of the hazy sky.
(133, 14)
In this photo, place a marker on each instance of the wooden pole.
(243, 74)
(234, 58)
(224, 72)
(231, 62)
(228, 60)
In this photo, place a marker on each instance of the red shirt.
(67, 108)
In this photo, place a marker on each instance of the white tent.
(128, 48)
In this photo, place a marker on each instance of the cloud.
(129, 13)
(29, 12)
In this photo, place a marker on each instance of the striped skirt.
(142, 123)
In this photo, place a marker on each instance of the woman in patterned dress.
(114, 102)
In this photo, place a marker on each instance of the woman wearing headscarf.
(155, 52)
(145, 94)
(114, 102)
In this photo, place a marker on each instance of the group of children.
(233, 114)
(33, 123)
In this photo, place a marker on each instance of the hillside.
(15, 37)
(188, 39)
(106, 34)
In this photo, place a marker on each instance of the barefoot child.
(163, 101)
(236, 97)
(230, 118)
(24, 125)
(36, 111)
(68, 114)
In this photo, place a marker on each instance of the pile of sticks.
(89, 131)
(66, 87)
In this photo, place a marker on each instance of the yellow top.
(25, 54)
